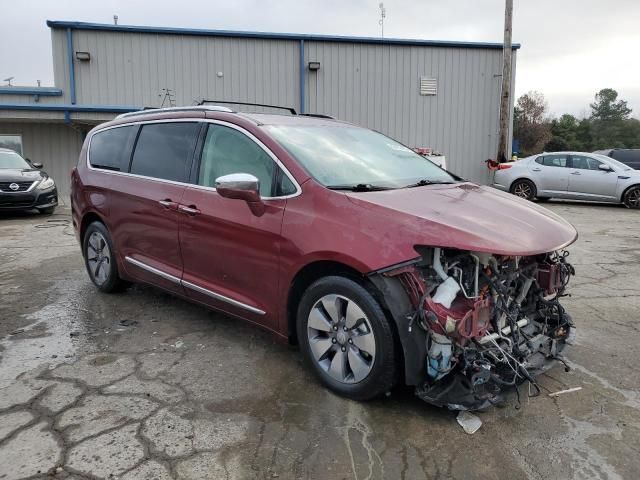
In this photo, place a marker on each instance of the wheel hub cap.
(341, 339)
(98, 258)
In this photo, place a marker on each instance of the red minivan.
(382, 266)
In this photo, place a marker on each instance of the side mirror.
(36, 165)
(242, 186)
(605, 167)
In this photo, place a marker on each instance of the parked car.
(572, 175)
(380, 265)
(23, 186)
(628, 156)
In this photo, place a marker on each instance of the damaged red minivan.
(383, 267)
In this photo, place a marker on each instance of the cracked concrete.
(141, 385)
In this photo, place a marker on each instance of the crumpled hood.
(469, 217)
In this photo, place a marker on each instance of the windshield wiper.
(423, 181)
(359, 187)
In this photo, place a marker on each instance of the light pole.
(383, 14)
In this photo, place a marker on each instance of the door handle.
(189, 210)
(536, 169)
(168, 204)
(576, 173)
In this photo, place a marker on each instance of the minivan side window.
(111, 149)
(165, 150)
(226, 151)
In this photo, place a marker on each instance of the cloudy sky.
(570, 48)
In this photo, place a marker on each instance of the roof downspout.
(72, 68)
(302, 89)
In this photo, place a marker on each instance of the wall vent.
(428, 86)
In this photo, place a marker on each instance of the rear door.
(145, 209)
(231, 256)
(587, 181)
(550, 174)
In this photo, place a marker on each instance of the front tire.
(100, 259)
(632, 197)
(346, 338)
(524, 189)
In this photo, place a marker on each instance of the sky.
(570, 48)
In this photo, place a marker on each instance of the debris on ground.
(469, 422)
(562, 392)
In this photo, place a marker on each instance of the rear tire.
(524, 189)
(632, 197)
(100, 258)
(349, 344)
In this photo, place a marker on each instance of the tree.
(557, 144)
(530, 126)
(606, 108)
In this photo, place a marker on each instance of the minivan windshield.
(345, 157)
(12, 160)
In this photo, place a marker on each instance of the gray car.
(571, 175)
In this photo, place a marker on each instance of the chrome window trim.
(193, 286)
(191, 185)
(33, 185)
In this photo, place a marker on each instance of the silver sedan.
(572, 175)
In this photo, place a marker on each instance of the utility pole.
(383, 14)
(505, 104)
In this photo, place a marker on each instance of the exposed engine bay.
(486, 322)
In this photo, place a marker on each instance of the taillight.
(504, 166)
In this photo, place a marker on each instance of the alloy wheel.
(523, 190)
(98, 258)
(633, 198)
(341, 339)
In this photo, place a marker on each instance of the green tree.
(557, 144)
(607, 107)
(530, 126)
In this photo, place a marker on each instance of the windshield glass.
(341, 156)
(615, 163)
(12, 160)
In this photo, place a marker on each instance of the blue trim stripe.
(268, 35)
(72, 67)
(42, 91)
(302, 72)
(59, 107)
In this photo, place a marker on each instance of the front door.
(230, 255)
(587, 181)
(145, 208)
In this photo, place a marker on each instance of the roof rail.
(210, 108)
(317, 115)
(291, 110)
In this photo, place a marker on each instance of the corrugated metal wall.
(369, 84)
(134, 68)
(55, 145)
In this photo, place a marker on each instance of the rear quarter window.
(111, 149)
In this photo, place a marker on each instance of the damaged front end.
(473, 324)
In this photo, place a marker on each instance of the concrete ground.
(141, 385)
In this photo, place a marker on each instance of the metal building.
(437, 94)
